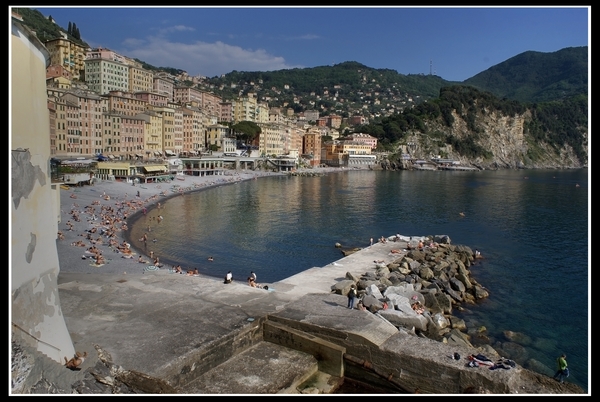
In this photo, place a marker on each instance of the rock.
(518, 337)
(407, 319)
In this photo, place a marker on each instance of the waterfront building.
(363, 138)
(193, 130)
(311, 146)
(215, 136)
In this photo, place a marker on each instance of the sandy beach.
(94, 219)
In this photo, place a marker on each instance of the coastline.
(123, 206)
(186, 289)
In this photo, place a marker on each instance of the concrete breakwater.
(180, 330)
(420, 287)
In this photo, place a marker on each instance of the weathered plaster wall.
(36, 317)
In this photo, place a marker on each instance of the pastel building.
(67, 54)
(106, 71)
(363, 138)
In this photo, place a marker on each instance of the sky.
(454, 43)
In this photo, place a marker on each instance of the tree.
(246, 131)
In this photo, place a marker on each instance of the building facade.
(103, 76)
(68, 55)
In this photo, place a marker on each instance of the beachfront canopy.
(155, 168)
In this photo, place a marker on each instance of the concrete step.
(320, 383)
(265, 368)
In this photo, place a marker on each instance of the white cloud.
(202, 58)
(175, 28)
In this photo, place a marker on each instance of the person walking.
(563, 371)
(351, 296)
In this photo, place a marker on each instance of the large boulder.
(407, 319)
(342, 287)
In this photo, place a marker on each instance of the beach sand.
(107, 205)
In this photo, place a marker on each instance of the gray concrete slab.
(265, 368)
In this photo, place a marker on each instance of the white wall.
(35, 315)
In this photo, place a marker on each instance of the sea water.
(531, 226)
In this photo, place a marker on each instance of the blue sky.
(453, 43)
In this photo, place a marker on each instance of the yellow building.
(68, 54)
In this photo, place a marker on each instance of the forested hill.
(530, 77)
(480, 129)
(536, 76)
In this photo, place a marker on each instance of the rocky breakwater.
(420, 289)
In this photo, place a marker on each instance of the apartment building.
(363, 138)
(357, 120)
(185, 94)
(152, 133)
(332, 155)
(271, 140)
(131, 137)
(56, 71)
(103, 76)
(311, 146)
(91, 108)
(177, 130)
(70, 137)
(347, 153)
(226, 112)
(211, 104)
(163, 86)
(245, 109)
(262, 112)
(215, 136)
(68, 55)
(140, 80)
(51, 103)
(167, 117)
(59, 82)
(311, 115)
(66, 125)
(295, 144)
(334, 121)
(193, 130)
(125, 103)
(275, 115)
(111, 135)
(153, 98)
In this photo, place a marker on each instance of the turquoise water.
(532, 228)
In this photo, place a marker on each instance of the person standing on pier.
(563, 371)
(351, 296)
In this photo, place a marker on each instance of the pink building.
(153, 98)
(131, 137)
(183, 95)
(363, 139)
(56, 71)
